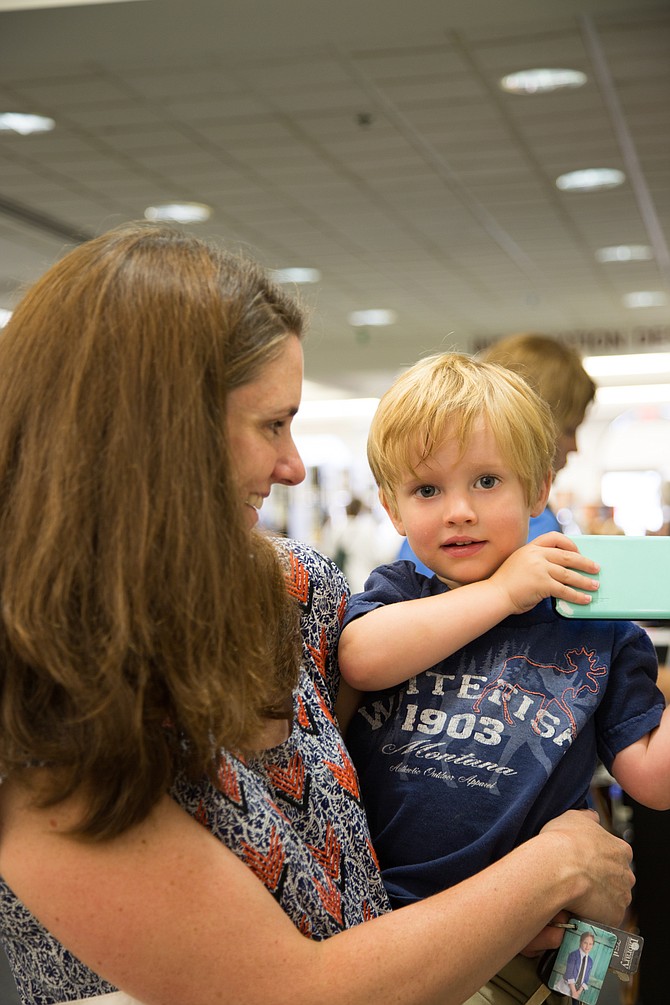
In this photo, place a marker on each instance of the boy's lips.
(462, 547)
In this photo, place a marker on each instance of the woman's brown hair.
(142, 625)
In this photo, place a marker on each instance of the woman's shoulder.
(313, 561)
(321, 592)
(313, 579)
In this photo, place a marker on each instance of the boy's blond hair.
(445, 395)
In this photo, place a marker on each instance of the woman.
(178, 815)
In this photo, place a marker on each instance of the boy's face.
(463, 516)
(586, 943)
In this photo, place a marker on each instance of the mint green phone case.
(634, 578)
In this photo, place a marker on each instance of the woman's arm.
(347, 704)
(168, 914)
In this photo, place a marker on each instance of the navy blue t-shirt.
(472, 757)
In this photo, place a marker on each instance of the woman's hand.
(607, 877)
(549, 938)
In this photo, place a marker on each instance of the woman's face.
(258, 422)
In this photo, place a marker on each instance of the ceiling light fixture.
(316, 391)
(179, 212)
(645, 298)
(297, 275)
(337, 408)
(372, 318)
(590, 180)
(625, 253)
(634, 394)
(5, 315)
(24, 124)
(635, 364)
(541, 81)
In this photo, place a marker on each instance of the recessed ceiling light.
(373, 318)
(295, 275)
(19, 122)
(179, 212)
(645, 298)
(316, 391)
(541, 80)
(590, 180)
(625, 253)
(342, 408)
(634, 364)
(634, 394)
(4, 316)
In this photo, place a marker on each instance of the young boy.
(485, 712)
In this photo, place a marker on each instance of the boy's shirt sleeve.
(391, 584)
(632, 705)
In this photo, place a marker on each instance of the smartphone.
(634, 578)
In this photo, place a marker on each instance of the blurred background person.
(555, 371)
(596, 518)
(360, 543)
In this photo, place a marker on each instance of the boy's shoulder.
(391, 584)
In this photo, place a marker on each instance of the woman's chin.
(251, 516)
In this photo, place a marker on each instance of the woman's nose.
(290, 469)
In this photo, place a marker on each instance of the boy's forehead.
(422, 442)
(477, 443)
(418, 453)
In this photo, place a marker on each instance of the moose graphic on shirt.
(507, 687)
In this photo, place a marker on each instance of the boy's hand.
(546, 568)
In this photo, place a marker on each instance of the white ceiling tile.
(213, 107)
(72, 92)
(442, 199)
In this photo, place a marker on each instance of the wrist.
(569, 873)
(499, 601)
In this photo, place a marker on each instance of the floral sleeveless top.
(293, 814)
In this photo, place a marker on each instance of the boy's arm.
(392, 643)
(389, 644)
(643, 768)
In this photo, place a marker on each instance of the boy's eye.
(487, 481)
(426, 491)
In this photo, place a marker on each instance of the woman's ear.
(392, 511)
(543, 496)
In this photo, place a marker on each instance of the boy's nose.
(458, 510)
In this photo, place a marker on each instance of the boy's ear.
(543, 496)
(392, 512)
